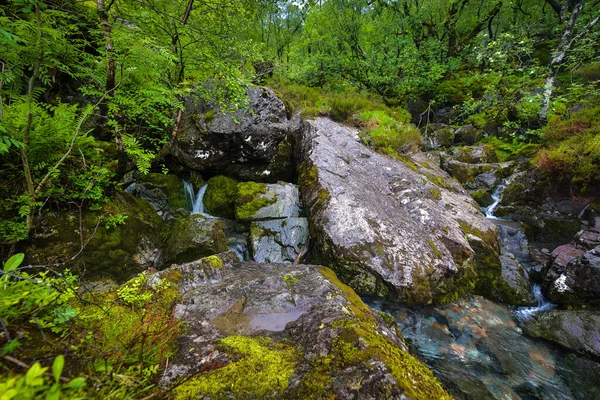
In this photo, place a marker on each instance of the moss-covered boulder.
(119, 241)
(396, 228)
(220, 196)
(437, 136)
(192, 237)
(467, 134)
(481, 154)
(266, 201)
(482, 197)
(165, 192)
(289, 332)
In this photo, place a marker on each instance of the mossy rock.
(193, 237)
(220, 196)
(117, 252)
(482, 197)
(250, 198)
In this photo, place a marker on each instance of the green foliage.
(39, 300)
(35, 383)
(388, 135)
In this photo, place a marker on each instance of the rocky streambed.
(446, 285)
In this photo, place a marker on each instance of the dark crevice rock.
(401, 229)
(285, 331)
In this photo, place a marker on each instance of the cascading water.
(196, 199)
(476, 348)
(236, 242)
(524, 313)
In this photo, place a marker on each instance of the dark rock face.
(116, 252)
(549, 211)
(286, 331)
(467, 134)
(397, 229)
(576, 330)
(250, 145)
(572, 275)
(164, 192)
(576, 283)
(437, 136)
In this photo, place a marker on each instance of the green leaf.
(57, 367)
(75, 383)
(33, 375)
(13, 262)
(54, 392)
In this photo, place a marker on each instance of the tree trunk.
(106, 33)
(561, 52)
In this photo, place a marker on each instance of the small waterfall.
(196, 199)
(524, 313)
(497, 197)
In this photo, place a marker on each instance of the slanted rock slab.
(286, 331)
(396, 228)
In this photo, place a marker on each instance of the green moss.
(435, 251)
(261, 369)
(250, 199)
(209, 116)
(482, 197)
(213, 262)
(439, 181)
(435, 194)
(220, 196)
(290, 280)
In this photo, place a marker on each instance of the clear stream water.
(477, 350)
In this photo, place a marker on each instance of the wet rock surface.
(286, 331)
(278, 240)
(401, 229)
(573, 273)
(576, 330)
(164, 192)
(254, 144)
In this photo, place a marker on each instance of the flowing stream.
(477, 350)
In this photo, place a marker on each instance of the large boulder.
(437, 136)
(285, 331)
(117, 242)
(193, 236)
(401, 229)
(577, 283)
(548, 210)
(576, 330)
(255, 143)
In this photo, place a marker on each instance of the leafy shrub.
(589, 72)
